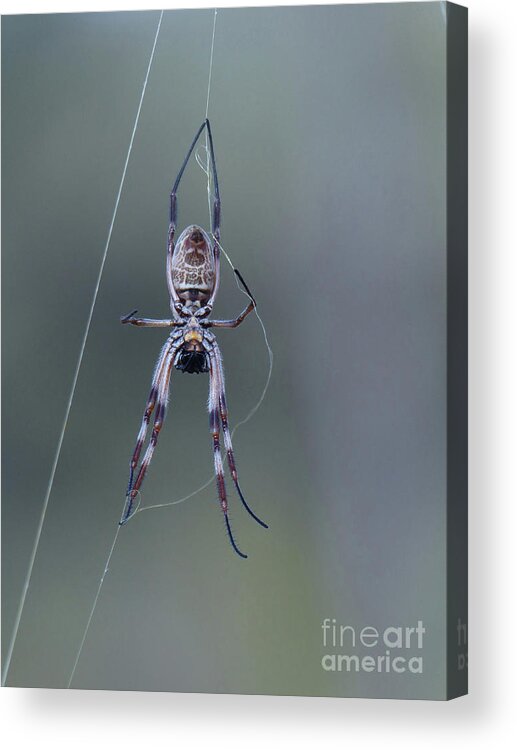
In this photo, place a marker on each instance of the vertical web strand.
(208, 171)
(115, 538)
(76, 373)
(211, 65)
(94, 605)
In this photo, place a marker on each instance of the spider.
(192, 273)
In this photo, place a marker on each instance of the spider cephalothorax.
(193, 278)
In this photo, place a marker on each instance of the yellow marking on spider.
(193, 336)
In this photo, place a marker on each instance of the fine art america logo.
(395, 649)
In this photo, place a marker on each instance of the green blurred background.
(329, 128)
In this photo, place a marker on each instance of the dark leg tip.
(252, 514)
(232, 540)
(127, 318)
(246, 287)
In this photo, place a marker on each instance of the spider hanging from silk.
(192, 272)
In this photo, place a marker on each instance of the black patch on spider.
(192, 362)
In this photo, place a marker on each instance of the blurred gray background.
(329, 128)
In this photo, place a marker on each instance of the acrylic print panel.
(329, 134)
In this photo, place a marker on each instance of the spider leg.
(148, 322)
(223, 411)
(218, 463)
(246, 287)
(157, 397)
(238, 320)
(229, 323)
(151, 401)
(216, 214)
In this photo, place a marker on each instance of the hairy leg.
(149, 322)
(157, 398)
(223, 410)
(213, 406)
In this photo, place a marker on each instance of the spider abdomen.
(193, 265)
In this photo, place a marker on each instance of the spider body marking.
(192, 273)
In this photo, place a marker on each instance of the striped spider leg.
(158, 398)
(192, 273)
(219, 413)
